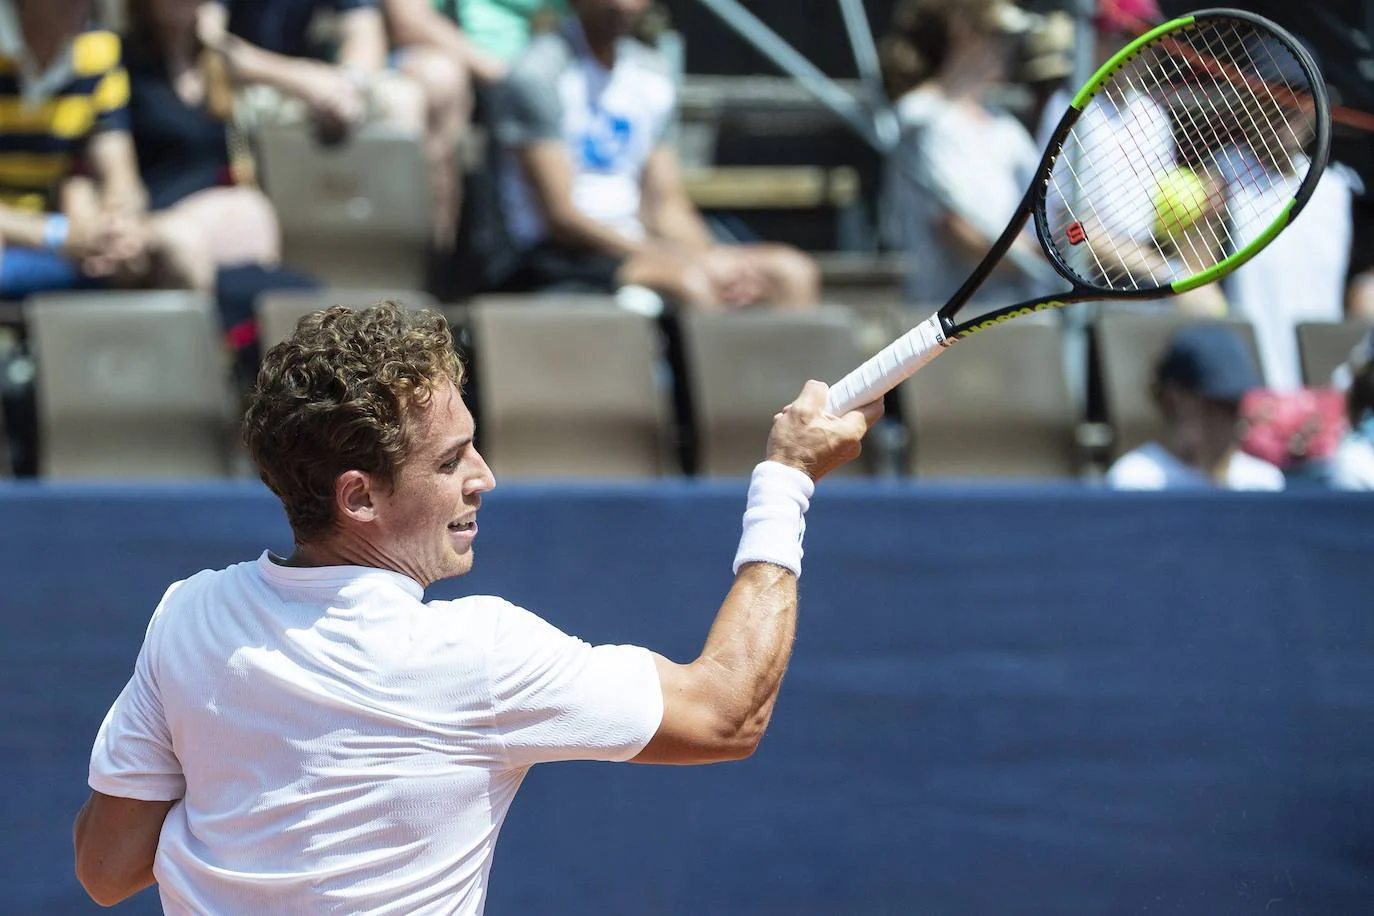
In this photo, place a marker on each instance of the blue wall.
(1002, 701)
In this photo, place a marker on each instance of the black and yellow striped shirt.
(40, 143)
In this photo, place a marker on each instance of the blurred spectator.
(269, 48)
(1301, 275)
(962, 166)
(1155, 149)
(1199, 383)
(71, 203)
(1359, 296)
(593, 197)
(1352, 467)
(1046, 62)
(180, 104)
(198, 169)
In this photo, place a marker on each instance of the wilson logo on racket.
(1075, 233)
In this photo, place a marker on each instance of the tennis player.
(305, 734)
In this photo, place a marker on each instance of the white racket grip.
(886, 369)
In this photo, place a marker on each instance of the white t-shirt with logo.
(337, 745)
(609, 121)
(1153, 467)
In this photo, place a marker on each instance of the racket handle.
(885, 370)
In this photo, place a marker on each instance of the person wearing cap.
(962, 165)
(1199, 382)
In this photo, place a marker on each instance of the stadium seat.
(879, 315)
(1324, 345)
(568, 389)
(278, 310)
(356, 214)
(743, 367)
(998, 405)
(1128, 344)
(130, 385)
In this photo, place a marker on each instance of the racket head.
(1182, 157)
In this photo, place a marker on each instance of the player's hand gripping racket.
(1238, 90)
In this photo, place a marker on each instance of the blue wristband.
(56, 228)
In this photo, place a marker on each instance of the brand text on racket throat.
(1020, 312)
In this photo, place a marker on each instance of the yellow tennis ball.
(1180, 200)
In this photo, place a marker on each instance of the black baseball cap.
(1209, 359)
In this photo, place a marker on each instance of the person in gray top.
(593, 197)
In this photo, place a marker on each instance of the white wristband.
(775, 517)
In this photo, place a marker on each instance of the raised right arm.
(718, 706)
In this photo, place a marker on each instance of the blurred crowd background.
(648, 223)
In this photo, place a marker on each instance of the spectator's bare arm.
(550, 174)
(667, 210)
(362, 41)
(416, 22)
(115, 164)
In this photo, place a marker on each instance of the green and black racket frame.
(1221, 82)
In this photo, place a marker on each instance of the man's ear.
(353, 496)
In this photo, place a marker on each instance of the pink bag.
(1288, 428)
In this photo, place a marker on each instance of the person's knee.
(795, 276)
(678, 279)
(399, 100)
(445, 83)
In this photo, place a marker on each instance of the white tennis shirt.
(340, 746)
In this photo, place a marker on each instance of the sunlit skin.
(425, 525)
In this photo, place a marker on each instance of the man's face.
(610, 18)
(426, 525)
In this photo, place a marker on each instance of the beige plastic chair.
(356, 214)
(1322, 346)
(130, 385)
(743, 367)
(996, 405)
(1128, 346)
(278, 310)
(568, 390)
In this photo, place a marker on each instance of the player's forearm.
(749, 646)
(110, 873)
(750, 643)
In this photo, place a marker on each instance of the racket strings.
(1183, 157)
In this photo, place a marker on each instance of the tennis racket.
(1124, 200)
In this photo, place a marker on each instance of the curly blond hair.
(340, 394)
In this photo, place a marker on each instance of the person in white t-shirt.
(1199, 382)
(962, 165)
(593, 197)
(305, 734)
